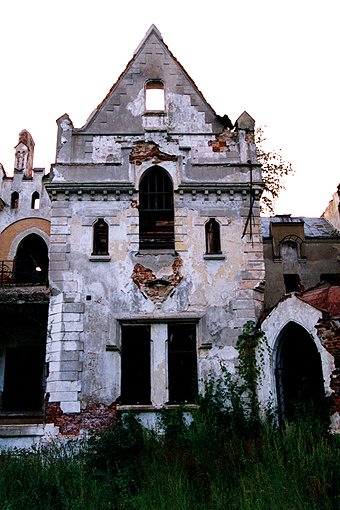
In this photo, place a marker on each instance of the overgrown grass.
(221, 461)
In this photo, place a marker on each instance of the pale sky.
(276, 59)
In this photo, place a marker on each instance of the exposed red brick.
(221, 143)
(95, 418)
(149, 150)
(329, 334)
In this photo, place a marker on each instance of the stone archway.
(31, 261)
(298, 373)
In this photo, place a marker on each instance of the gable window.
(100, 237)
(154, 96)
(156, 210)
(15, 200)
(35, 202)
(212, 237)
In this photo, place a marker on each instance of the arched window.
(35, 202)
(156, 210)
(154, 96)
(289, 251)
(100, 237)
(31, 261)
(15, 200)
(212, 237)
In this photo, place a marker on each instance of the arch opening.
(31, 261)
(298, 374)
(156, 210)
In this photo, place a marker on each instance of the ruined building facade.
(155, 254)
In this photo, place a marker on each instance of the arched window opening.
(212, 237)
(35, 202)
(299, 380)
(289, 251)
(156, 210)
(15, 200)
(100, 237)
(154, 96)
(31, 261)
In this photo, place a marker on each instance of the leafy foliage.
(274, 169)
(251, 345)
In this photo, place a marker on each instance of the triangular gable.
(123, 108)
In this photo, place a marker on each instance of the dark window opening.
(299, 379)
(31, 261)
(182, 367)
(35, 203)
(135, 365)
(15, 200)
(100, 238)
(212, 237)
(156, 210)
(292, 282)
(331, 278)
(154, 96)
(23, 381)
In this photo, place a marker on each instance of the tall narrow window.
(156, 210)
(100, 237)
(154, 96)
(182, 368)
(15, 200)
(135, 368)
(35, 203)
(212, 237)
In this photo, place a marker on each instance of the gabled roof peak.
(152, 29)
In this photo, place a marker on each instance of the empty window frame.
(135, 365)
(100, 237)
(156, 210)
(182, 363)
(15, 200)
(212, 237)
(35, 202)
(154, 96)
(292, 282)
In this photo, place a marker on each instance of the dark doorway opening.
(23, 331)
(182, 363)
(31, 261)
(23, 381)
(299, 379)
(135, 365)
(156, 210)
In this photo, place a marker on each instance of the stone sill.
(214, 256)
(155, 113)
(100, 258)
(145, 408)
(21, 430)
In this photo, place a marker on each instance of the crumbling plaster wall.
(217, 291)
(96, 175)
